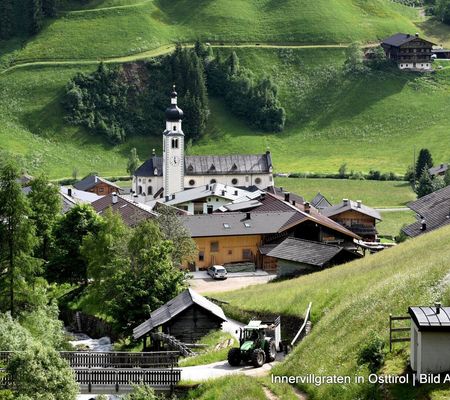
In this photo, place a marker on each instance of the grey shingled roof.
(435, 208)
(351, 205)
(305, 251)
(440, 169)
(174, 307)
(90, 181)
(234, 224)
(213, 165)
(320, 201)
(426, 318)
(400, 39)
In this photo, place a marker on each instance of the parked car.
(217, 272)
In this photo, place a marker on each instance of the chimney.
(287, 197)
(235, 192)
(281, 188)
(248, 215)
(69, 192)
(114, 198)
(408, 35)
(438, 307)
(442, 165)
(424, 224)
(307, 207)
(345, 202)
(359, 203)
(417, 34)
(263, 196)
(293, 203)
(167, 198)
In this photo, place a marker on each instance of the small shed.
(430, 339)
(187, 317)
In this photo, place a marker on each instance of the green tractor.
(259, 343)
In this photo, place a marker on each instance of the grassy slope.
(350, 302)
(393, 221)
(373, 193)
(136, 27)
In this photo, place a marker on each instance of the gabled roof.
(305, 251)
(132, 213)
(91, 181)
(427, 319)
(320, 201)
(350, 205)
(78, 196)
(400, 39)
(435, 208)
(174, 307)
(439, 169)
(237, 224)
(236, 164)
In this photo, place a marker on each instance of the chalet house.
(409, 51)
(298, 256)
(97, 185)
(162, 176)
(188, 317)
(238, 232)
(433, 212)
(439, 170)
(356, 217)
(132, 213)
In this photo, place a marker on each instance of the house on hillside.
(173, 172)
(132, 213)
(356, 217)
(439, 170)
(295, 256)
(433, 212)
(187, 317)
(97, 185)
(410, 52)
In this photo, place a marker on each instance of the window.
(191, 182)
(174, 143)
(140, 190)
(230, 252)
(201, 255)
(247, 178)
(101, 190)
(258, 181)
(174, 128)
(246, 254)
(214, 247)
(150, 190)
(234, 181)
(212, 181)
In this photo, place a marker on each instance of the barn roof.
(427, 319)
(132, 213)
(400, 39)
(305, 251)
(91, 181)
(236, 164)
(174, 307)
(348, 205)
(320, 201)
(434, 207)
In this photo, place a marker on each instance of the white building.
(174, 172)
(430, 339)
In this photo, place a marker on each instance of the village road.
(209, 285)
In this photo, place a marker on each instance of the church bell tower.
(173, 149)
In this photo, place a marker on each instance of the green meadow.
(351, 302)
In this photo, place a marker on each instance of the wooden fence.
(76, 359)
(393, 330)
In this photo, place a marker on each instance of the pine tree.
(423, 159)
(36, 16)
(425, 185)
(6, 19)
(233, 64)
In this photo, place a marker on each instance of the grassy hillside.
(121, 27)
(352, 301)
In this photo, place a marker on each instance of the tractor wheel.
(234, 357)
(271, 350)
(258, 358)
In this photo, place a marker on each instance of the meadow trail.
(168, 49)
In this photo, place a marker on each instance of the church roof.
(238, 164)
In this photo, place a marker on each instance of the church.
(174, 172)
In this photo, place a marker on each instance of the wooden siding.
(230, 249)
(349, 218)
(102, 189)
(192, 324)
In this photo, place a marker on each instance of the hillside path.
(167, 49)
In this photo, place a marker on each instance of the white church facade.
(174, 172)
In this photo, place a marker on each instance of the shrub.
(372, 353)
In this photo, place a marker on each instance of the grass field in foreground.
(349, 303)
(372, 193)
(137, 27)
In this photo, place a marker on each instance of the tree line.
(24, 17)
(439, 8)
(116, 102)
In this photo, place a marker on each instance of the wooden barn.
(187, 317)
(97, 185)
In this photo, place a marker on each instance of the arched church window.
(150, 190)
(234, 181)
(140, 190)
(174, 143)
